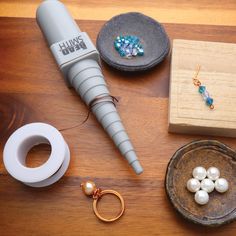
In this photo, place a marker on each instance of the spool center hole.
(38, 155)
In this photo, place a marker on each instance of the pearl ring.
(89, 188)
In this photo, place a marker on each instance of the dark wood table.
(32, 90)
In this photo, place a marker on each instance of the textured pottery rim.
(133, 68)
(183, 212)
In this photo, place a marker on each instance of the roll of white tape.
(19, 144)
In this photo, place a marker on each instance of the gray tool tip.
(137, 167)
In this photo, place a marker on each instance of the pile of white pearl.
(204, 182)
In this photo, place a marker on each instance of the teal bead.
(117, 45)
(201, 89)
(135, 41)
(122, 53)
(209, 101)
(140, 51)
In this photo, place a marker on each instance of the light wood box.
(188, 112)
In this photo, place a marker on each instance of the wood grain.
(32, 89)
(188, 111)
(172, 11)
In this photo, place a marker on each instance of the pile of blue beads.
(209, 101)
(128, 46)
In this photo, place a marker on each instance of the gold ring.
(89, 188)
(100, 196)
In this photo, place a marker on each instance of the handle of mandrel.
(65, 39)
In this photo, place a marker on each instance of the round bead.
(193, 185)
(140, 52)
(207, 185)
(134, 52)
(201, 197)
(122, 53)
(117, 45)
(213, 173)
(221, 185)
(88, 187)
(199, 173)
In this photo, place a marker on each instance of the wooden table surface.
(32, 89)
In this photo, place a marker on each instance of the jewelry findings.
(89, 188)
(201, 197)
(199, 173)
(213, 173)
(202, 90)
(204, 182)
(128, 46)
(193, 185)
(207, 185)
(221, 185)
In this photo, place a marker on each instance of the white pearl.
(201, 197)
(199, 173)
(221, 185)
(207, 185)
(213, 173)
(193, 185)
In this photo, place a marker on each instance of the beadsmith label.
(72, 48)
(72, 45)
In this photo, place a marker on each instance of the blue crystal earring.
(128, 46)
(202, 90)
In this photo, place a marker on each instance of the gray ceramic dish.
(151, 34)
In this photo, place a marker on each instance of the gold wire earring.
(202, 89)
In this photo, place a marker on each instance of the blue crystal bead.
(201, 89)
(122, 53)
(117, 45)
(209, 101)
(140, 51)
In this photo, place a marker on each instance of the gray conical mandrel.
(79, 61)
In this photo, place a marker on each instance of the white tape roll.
(19, 144)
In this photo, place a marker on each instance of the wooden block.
(188, 112)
